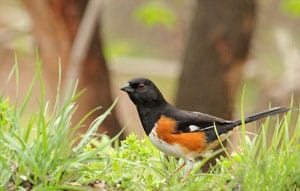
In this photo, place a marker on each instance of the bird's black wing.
(188, 121)
(195, 122)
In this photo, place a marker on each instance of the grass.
(43, 153)
(40, 153)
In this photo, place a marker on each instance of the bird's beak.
(127, 88)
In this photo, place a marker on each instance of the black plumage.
(151, 105)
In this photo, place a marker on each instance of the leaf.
(154, 13)
(292, 7)
(93, 128)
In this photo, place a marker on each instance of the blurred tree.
(216, 52)
(55, 28)
(277, 48)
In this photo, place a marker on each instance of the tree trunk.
(94, 77)
(216, 52)
(55, 25)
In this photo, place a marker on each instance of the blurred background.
(199, 53)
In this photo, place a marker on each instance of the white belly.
(174, 149)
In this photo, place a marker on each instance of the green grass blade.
(93, 128)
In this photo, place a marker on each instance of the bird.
(181, 133)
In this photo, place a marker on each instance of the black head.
(143, 92)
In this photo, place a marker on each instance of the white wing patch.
(194, 128)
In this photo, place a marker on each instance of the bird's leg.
(179, 167)
(189, 167)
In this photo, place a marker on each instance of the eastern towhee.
(177, 132)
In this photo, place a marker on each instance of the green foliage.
(267, 162)
(118, 48)
(153, 13)
(6, 111)
(292, 7)
(263, 163)
(39, 153)
(131, 165)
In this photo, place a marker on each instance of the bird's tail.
(226, 129)
(257, 116)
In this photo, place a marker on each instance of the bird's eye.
(140, 86)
